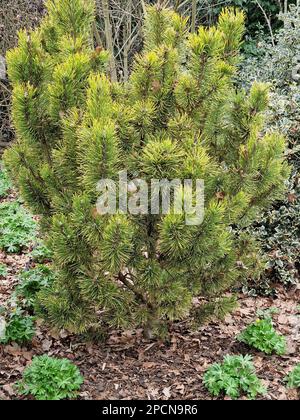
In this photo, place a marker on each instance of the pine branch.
(123, 279)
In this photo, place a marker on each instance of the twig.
(292, 151)
(194, 14)
(97, 35)
(268, 20)
(109, 40)
(149, 347)
(144, 7)
(5, 88)
(122, 277)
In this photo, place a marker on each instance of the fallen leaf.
(148, 365)
(187, 358)
(46, 344)
(27, 355)
(63, 334)
(9, 389)
(167, 393)
(283, 319)
(291, 347)
(180, 388)
(14, 350)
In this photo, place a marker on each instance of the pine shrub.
(178, 117)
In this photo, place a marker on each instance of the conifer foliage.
(179, 116)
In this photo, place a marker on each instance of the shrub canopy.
(178, 117)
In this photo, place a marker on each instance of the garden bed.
(128, 367)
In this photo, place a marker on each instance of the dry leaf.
(46, 344)
(167, 393)
(9, 389)
(14, 350)
(148, 365)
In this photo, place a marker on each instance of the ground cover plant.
(31, 282)
(19, 328)
(293, 378)
(3, 270)
(5, 184)
(50, 378)
(235, 376)
(17, 228)
(40, 253)
(262, 336)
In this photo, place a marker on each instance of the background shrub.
(279, 229)
(14, 15)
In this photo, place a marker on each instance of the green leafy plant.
(179, 116)
(293, 378)
(18, 328)
(5, 184)
(262, 336)
(236, 375)
(49, 378)
(17, 228)
(3, 270)
(31, 282)
(41, 253)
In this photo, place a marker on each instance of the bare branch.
(268, 20)
(109, 40)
